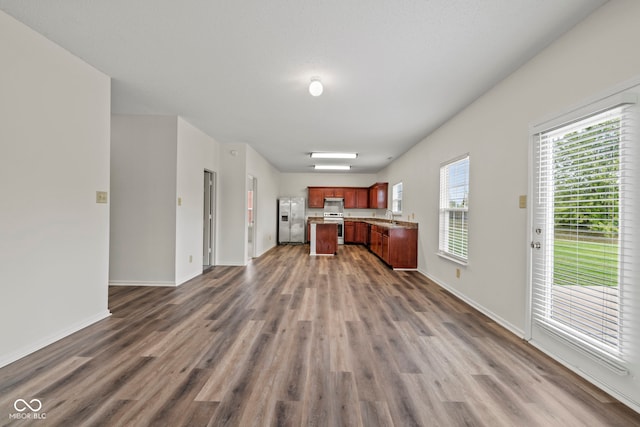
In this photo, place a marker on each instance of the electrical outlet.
(190, 258)
(179, 201)
(101, 197)
(457, 273)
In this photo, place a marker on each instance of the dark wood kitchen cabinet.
(362, 198)
(375, 240)
(378, 195)
(326, 239)
(356, 198)
(356, 232)
(402, 248)
(374, 197)
(350, 232)
(315, 197)
(396, 246)
(350, 198)
(362, 233)
(337, 192)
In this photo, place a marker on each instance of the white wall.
(232, 205)
(196, 152)
(598, 54)
(143, 200)
(268, 178)
(54, 156)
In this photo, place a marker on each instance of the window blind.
(454, 209)
(583, 231)
(396, 198)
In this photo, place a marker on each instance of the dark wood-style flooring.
(293, 340)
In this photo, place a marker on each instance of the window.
(396, 198)
(454, 209)
(582, 222)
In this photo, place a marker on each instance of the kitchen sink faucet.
(393, 221)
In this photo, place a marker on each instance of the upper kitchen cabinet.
(316, 197)
(362, 198)
(374, 197)
(356, 198)
(378, 195)
(333, 192)
(350, 200)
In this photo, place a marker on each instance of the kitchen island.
(323, 237)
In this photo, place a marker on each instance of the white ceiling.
(393, 70)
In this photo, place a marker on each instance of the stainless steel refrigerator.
(291, 220)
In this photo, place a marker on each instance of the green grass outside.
(585, 263)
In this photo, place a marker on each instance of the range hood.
(333, 205)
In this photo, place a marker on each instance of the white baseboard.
(43, 342)
(499, 320)
(140, 283)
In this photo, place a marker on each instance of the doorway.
(252, 197)
(209, 217)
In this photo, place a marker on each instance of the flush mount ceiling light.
(334, 155)
(315, 87)
(332, 167)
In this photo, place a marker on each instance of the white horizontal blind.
(583, 221)
(396, 198)
(454, 209)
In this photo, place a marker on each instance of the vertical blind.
(454, 209)
(582, 222)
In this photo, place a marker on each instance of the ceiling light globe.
(315, 87)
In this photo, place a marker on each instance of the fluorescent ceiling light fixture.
(334, 155)
(332, 167)
(315, 87)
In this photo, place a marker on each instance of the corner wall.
(268, 178)
(196, 152)
(54, 156)
(232, 205)
(143, 203)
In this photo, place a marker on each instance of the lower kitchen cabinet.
(403, 248)
(356, 232)
(362, 233)
(350, 232)
(397, 246)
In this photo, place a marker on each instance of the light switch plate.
(101, 197)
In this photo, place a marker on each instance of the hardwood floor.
(295, 340)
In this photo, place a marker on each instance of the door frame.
(210, 249)
(251, 220)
